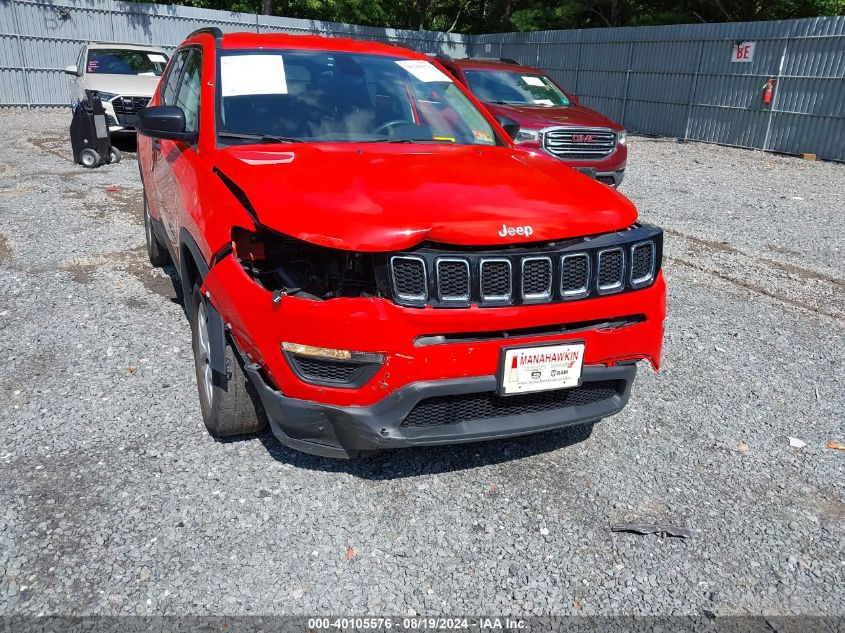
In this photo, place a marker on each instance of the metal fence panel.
(669, 80)
(38, 38)
(680, 80)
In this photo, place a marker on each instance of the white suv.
(124, 75)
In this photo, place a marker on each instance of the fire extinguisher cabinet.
(89, 133)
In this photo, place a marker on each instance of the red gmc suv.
(549, 118)
(368, 262)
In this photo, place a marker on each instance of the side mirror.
(575, 100)
(72, 70)
(510, 126)
(164, 122)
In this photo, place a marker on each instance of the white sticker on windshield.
(423, 70)
(533, 80)
(545, 102)
(156, 58)
(252, 75)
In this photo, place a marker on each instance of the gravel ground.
(114, 499)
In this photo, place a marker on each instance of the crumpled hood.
(128, 85)
(539, 118)
(392, 197)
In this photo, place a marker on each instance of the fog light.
(332, 354)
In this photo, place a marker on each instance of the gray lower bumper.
(337, 431)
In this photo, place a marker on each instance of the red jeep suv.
(368, 262)
(549, 118)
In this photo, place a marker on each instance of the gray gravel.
(114, 500)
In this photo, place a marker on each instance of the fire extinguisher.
(769, 90)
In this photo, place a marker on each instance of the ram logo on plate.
(543, 368)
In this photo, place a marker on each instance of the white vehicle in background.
(124, 75)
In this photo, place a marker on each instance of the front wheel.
(227, 402)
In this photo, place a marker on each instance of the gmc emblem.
(582, 138)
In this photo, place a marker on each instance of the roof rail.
(504, 60)
(214, 31)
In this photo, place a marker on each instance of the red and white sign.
(743, 52)
(542, 368)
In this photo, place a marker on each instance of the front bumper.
(259, 327)
(350, 431)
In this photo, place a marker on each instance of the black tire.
(114, 155)
(230, 408)
(158, 254)
(89, 158)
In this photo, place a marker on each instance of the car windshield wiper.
(405, 140)
(261, 138)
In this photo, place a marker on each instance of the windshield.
(121, 61)
(514, 88)
(343, 97)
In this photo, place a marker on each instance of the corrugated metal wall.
(39, 38)
(680, 81)
(667, 80)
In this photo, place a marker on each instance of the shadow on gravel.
(432, 460)
(126, 143)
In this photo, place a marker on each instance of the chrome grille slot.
(496, 280)
(409, 278)
(579, 143)
(611, 269)
(574, 275)
(642, 263)
(536, 278)
(453, 280)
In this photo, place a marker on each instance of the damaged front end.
(285, 265)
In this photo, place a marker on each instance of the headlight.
(105, 96)
(527, 136)
(622, 137)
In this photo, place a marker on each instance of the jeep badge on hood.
(510, 231)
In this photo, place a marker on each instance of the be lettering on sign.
(743, 52)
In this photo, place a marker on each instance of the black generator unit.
(89, 133)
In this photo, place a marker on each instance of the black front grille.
(537, 278)
(496, 280)
(409, 277)
(611, 269)
(562, 271)
(642, 256)
(129, 105)
(453, 279)
(579, 143)
(607, 180)
(574, 274)
(442, 410)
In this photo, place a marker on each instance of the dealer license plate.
(527, 369)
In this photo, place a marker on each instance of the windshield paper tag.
(155, 58)
(423, 70)
(532, 80)
(543, 102)
(252, 75)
